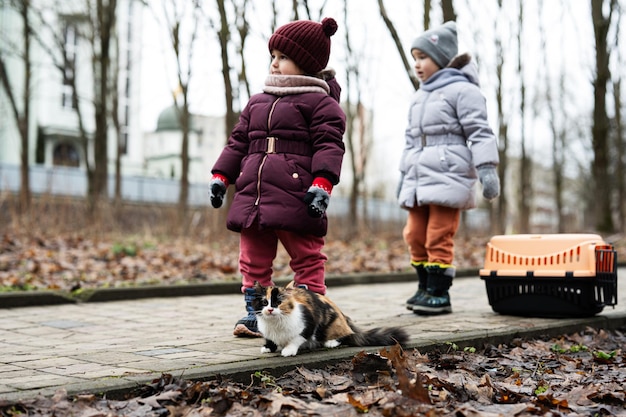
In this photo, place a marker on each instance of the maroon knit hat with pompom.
(306, 42)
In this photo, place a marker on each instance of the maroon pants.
(429, 233)
(257, 251)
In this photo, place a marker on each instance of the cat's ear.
(291, 285)
(257, 287)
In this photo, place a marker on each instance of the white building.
(54, 125)
(162, 148)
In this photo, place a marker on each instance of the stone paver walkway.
(109, 347)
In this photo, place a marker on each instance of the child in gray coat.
(449, 145)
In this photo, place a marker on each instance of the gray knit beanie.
(439, 43)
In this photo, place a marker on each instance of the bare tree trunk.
(525, 161)
(620, 145)
(224, 36)
(447, 7)
(185, 124)
(499, 217)
(349, 109)
(103, 26)
(115, 118)
(232, 114)
(558, 141)
(401, 51)
(22, 118)
(558, 133)
(243, 28)
(118, 150)
(175, 25)
(601, 205)
(24, 122)
(427, 8)
(620, 138)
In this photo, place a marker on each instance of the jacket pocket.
(455, 158)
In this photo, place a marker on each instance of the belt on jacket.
(442, 140)
(274, 145)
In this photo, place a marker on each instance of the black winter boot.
(437, 298)
(247, 327)
(422, 284)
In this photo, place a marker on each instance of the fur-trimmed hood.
(460, 68)
(460, 61)
(328, 75)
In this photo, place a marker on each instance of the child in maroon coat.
(284, 157)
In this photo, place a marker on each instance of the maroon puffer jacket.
(308, 130)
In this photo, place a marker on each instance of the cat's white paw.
(265, 350)
(289, 351)
(332, 343)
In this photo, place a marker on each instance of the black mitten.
(317, 199)
(217, 191)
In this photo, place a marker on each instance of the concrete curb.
(242, 372)
(42, 298)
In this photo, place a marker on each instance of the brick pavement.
(109, 347)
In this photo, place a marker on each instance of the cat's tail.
(380, 336)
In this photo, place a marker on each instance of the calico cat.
(290, 318)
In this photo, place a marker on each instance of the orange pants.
(429, 233)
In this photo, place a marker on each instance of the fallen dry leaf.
(393, 382)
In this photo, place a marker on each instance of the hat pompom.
(329, 26)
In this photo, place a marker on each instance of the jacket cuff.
(323, 183)
(221, 178)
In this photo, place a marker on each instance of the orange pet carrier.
(559, 275)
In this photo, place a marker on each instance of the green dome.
(169, 120)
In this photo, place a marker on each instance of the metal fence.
(72, 182)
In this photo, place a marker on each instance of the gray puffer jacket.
(447, 137)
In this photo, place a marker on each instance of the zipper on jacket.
(258, 181)
(269, 116)
(258, 175)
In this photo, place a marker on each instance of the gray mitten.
(317, 200)
(489, 179)
(217, 191)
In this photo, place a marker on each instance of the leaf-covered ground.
(59, 246)
(582, 374)
(72, 262)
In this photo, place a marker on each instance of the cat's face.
(273, 301)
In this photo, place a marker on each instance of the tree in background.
(231, 83)
(603, 184)
(620, 135)
(499, 216)
(21, 106)
(224, 37)
(399, 47)
(95, 23)
(515, 101)
(525, 186)
(447, 8)
(102, 19)
(357, 136)
(182, 20)
(243, 28)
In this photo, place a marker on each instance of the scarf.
(283, 85)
